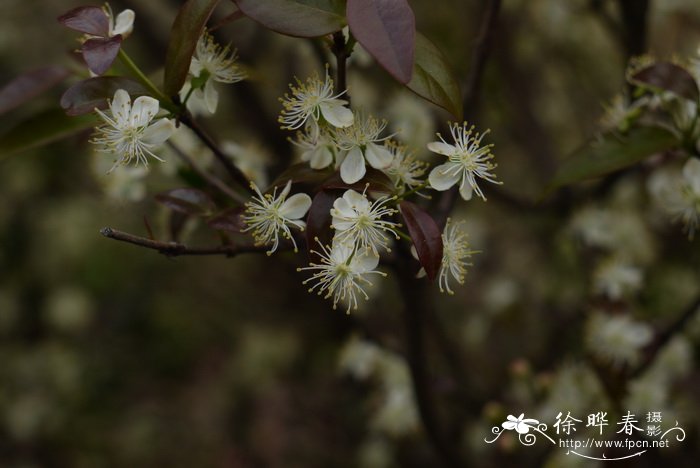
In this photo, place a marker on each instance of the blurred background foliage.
(116, 356)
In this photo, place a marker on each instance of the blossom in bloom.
(268, 215)
(342, 273)
(360, 142)
(251, 158)
(123, 24)
(405, 169)
(680, 195)
(358, 221)
(521, 424)
(616, 278)
(311, 100)
(455, 252)
(214, 64)
(467, 160)
(316, 147)
(129, 131)
(617, 338)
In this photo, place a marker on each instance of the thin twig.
(339, 49)
(210, 178)
(175, 249)
(235, 173)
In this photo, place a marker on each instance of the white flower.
(128, 132)
(123, 24)
(214, 63)
(358, 221)
(311, 100)
(455, 252)
(615, 279)
(316, 147)
(359, 142)
(617, 338)
(467, 161)
(267, 215)
(342, 273)
(520, 424)
(405, 169)
(251, 158)
(680, 196)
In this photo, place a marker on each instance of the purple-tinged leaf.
(299, 18)
(100, 53)
(669, 77)
(377, 180)
(84, 96)
(189, 201)
(41, 129)
(433, 78)
(425, 235)
(302, 174)
(28, 85)
(187, 28)
(230, 220)
(87, 19)
(387, 29)
(318, 221)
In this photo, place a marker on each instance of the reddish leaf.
(300, 18)
(318, 221)
(377, 180)
(28, 85)
(230, 220)
(87, 19)
(425, 235)
(84, 96)
(433, 78)
(670, 77)
(100, 53)
(187, 28)
(189, 201)
(387, 29)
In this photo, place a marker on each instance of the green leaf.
(433, 78)
(611, 153)
(299, 18)
(187, 28)
(387, 30)
(42, 129)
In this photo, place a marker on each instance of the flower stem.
(152, 88)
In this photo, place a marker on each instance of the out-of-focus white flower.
(214, 64)
(615, 279)
(342, 273)
(405, 169)
(619, 113)
(316, 147)
(358, 221)
(409, 117)
(455, 253)
(123, 23)
(467, 161)
(312, 100)
(269, 216)
(360, 142)
(397, 414)
(126, 183)
(679, 195)
(129, 131)
(617, 338)
(251, 158)
(359, 358)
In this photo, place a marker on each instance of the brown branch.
(340, 51)
(176, 249)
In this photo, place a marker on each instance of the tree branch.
(176, 249)
(339, 49)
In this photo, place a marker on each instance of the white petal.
(121, 107)
(160, 131)
(339, 224)
(443, 177)
(124, 23)
(336, 114)
(287, 188)
(211, 96)
(465, 190)
(143, 111)
(357, 201)
(378, 156)
(295, 206)
(343, 208)
(691, 173)
(364, 261)
(195, 67)
(441, 148)
(353, 167)
(340, 251)
(321, 157)
(421, 273)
